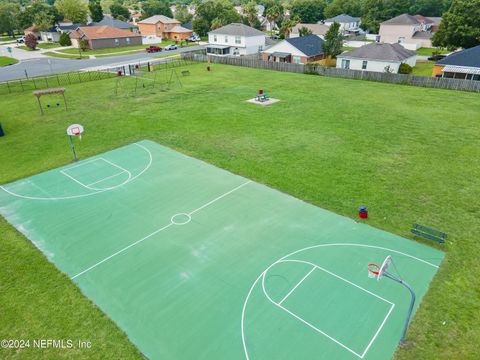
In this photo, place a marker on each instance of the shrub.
(31, 41)
(84, 44)
(65, 40)
(405, 69)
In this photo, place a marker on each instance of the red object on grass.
(260, 92)
(363, 212)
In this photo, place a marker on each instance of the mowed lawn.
(410, 154)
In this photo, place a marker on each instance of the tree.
(427, 7)
(287, 26)
(201, 26)
(182, 14)
(118, 10)
(74, 10)
(304, 31)
(308, 11)
(460, 26)
(43, 21)
(405, 69)
(250, 11)
(27, 17)
(64, 39)
(84, 45)
(273, 13)
(96, 11)
(156, 7)
(350, 7)
(31, 41)
(333, 43)
(222, 11)
(8, 16)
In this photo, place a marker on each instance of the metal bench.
(429, 233)
(261, 97)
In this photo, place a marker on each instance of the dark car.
(152, 49)
(437, 57)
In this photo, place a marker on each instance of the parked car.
(21, 40)
(437, 57)
(193, 38)
(171, 47)
(275, 37)
(152, 49)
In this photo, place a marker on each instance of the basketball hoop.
(77, 131)
(373, 270)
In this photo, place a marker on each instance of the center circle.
(181, 219)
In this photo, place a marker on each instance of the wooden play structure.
(40, 93)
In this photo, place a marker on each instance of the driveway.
(44, 65)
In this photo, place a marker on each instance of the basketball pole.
(73, 148)
(412, 302)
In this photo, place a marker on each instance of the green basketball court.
(194, 262)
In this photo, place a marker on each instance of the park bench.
(261, 97)
(429, 233)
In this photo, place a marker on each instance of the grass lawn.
(64, 56)
(128, 49)
(430, 51)
(7, 38)
(5, 60)
(409, 153)
(24, 47)
(423, 68)
(48, 45)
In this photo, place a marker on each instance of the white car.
(171, 47)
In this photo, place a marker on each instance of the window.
(364, 64)
(345, 64)
(238, 39)
(117, 42)
(128, 40)
(214, 38)
(226, 39)
(296, 59)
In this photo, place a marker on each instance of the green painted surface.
(193, 262)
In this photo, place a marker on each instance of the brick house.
(299, 50)
(163, 27)
(100, 37)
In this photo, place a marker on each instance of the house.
(348, 24)
(100, 37)
(379, 57)
(66, 26)
(235, 39)
(110, 21)
(298, 50)
(163, 27)
(316, 29)
(32, 30)
(51, 34)
(463, 64)
(407, 29)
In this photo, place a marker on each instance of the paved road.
(47, 65)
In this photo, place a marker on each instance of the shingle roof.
(101, 32)
(69, 27)
(237, 29)
(403, 19)
(310, 45)
(159, 18)
(110, 21)
(188, 25)
(426, 20)
(316, 29)
(380, 51)
(179, 29)
(343, 18)
(468, 57)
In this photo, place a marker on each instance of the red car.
(152, 49)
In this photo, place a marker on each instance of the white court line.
(156, 231)
(150, 161)
(107, 178)
(298, 284)
(249, 294)
(378, 331)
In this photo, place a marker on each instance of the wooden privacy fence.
(423, 81)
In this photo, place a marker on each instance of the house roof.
(101, 32)
(110, 21)
(404, 19)
(468, 57)
(32, 28)
(188, 25)
(159, 18)
(310, 45)
(422, 35)
(237, 29)
(343, 18)
(178, 29)
(424, 19)
(70, 27)
(316, 29)
(380, 51)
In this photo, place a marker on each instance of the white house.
(379, 57)
(348, 24)
(235, 39)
